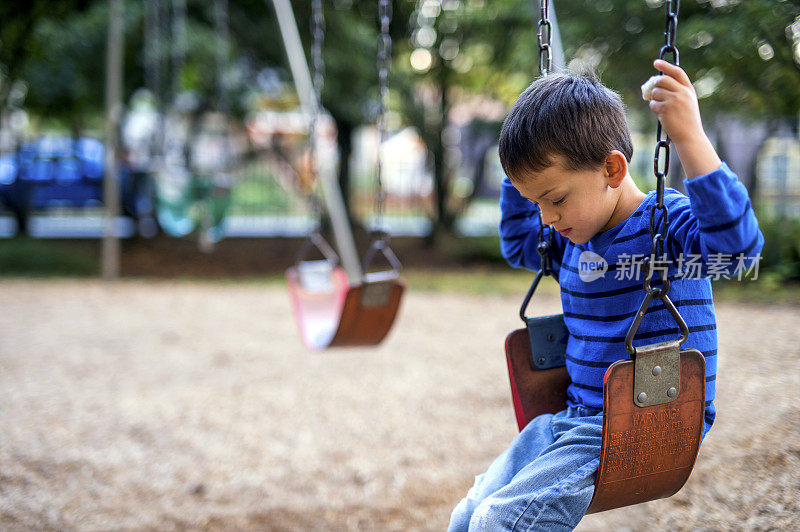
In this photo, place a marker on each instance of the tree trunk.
(443, 218)
(344, 137)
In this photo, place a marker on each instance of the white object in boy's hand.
(647, 88)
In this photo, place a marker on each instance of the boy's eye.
(559, 202)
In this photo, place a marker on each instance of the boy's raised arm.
(719, 222)
(674, 100)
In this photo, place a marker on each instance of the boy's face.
(578, 203)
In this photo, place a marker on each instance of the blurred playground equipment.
(45, 183)
(186, 150)
(338, 301)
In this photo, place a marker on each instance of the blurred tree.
(64, 67)
(742, 55)
(26, 53)
(458, 50)
(739, 54)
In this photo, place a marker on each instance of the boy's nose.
(550, 218)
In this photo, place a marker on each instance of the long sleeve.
(519, 231)
(718, 227)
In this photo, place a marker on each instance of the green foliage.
(28, 257)
(780, 257)
(64, 70)
(479, 250)
(719, 43)
(60, 59)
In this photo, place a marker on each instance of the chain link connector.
(545, 29)
(669, 49)
(662, 147)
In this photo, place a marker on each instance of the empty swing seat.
(332, 313)
(647, 452)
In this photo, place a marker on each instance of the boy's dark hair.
(576, 117)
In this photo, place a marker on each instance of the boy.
(565, 147)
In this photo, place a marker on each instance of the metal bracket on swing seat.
(377, 293)
(377, 286)
(548, 337)
(657, 374)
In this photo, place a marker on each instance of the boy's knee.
(551, 510)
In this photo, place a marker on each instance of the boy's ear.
(616, 168)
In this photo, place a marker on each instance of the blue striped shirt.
(712, 233)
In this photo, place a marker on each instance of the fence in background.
(58, 185)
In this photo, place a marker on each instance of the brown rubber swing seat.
(335, 314)
(647, 452)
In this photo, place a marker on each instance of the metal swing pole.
(559, 62)
(332, 194)
(111, 245)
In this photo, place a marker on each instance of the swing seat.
(647, 452)
(331, 313)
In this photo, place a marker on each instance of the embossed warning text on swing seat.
(653, 442)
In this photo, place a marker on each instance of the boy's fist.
(673, 99)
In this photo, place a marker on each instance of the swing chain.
(318, 79)
(669, 33)
(318, 34)
(384, 57)
(661, 161)
(546, 231)
(656, 261)
(544, 34)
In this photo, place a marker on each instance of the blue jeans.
(543, 481)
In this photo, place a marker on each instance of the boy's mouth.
(566, 231)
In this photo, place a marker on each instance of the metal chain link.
(383, 61)
(669, 33)
(318, 78)
(544, 34)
